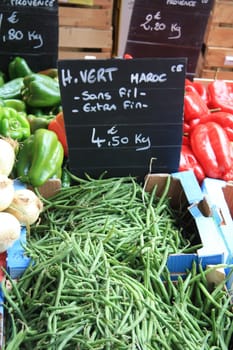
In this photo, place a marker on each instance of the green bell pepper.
(38, 122)
(41, 91)
(40, 158)
(14, 124)
(11, 89)
(24, 158)
(2, 78)
(15, 103)
(18, 67)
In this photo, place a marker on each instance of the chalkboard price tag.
(170, 21)
(123, 116)
(29, 29)
(168, 28)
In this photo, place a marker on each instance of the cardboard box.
(219, 195)
(185, 192)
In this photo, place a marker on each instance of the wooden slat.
(95, 3)
(72, 54)
(216, 57)
(223, 12)
(85, 38)
(217, 74)
(220, 36)
(91, 17)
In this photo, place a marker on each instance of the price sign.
(168, 28)
(123, 115)
(170, 21)
(29, 29)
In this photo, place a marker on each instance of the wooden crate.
(218, 53)
(85, 30)
(220, 29)
(218, 73)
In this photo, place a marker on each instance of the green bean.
(100, 261)
(213, 301)
(228, 335)
(191, 323)
(15, 343)
(15, 288)
(69, 336)
(12, 303)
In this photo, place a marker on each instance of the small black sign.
(123, 116)
(168, 28)
(29, 28)
(170, 21)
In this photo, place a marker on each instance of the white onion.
(7, 157)
(9, 230)
(26, 206)
(6, 191)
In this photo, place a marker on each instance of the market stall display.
(135, 241)
(116, 212)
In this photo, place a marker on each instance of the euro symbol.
(12, 18)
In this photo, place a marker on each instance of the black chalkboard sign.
(168, 28)
(29, 28)
(168, 22)
(123, 116)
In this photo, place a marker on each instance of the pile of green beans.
(99, 280)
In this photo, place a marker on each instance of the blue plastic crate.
(16, 260)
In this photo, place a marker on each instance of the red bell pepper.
(188, 161)
(194, 106)
(186, 128)
(185, 140)
(224, 119)
(220, 96)
(57, 125)
(127, 56)
(197, 87)
(189, 86)
(194, 122)
(212, 148)
(230, 87)
(202, 91)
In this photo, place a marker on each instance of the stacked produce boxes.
(85, 30)
(135, 305)
(218, 55)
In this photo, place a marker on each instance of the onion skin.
(26, 206)
(7, 157)
(6, 191)
(10, 229)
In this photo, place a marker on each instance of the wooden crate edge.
(85, 38)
